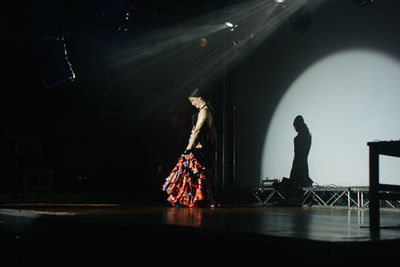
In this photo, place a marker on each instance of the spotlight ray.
(161, 64)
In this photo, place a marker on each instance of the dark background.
(107, 136)
(111, 134)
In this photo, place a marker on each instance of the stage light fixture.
(231, 26)
(267, 183)
(279, 1)
(228, 24)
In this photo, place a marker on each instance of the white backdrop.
(347, 99)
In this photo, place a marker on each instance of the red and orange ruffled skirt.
(185, 184)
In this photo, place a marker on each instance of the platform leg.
(374, 221)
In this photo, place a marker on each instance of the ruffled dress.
(189, 181)
(185, 182)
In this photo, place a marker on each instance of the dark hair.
(197, 93)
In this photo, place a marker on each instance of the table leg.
(374, 221)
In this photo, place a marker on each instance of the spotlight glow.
(142, 56)
(229, 24)
(346, 99)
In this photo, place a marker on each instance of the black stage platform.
(90, 234)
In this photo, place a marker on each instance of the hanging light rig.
(127, 18)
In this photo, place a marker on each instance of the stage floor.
(310, 223)
(95, 231)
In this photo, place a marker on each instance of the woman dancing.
(189, 183)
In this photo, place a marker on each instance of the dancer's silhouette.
(302, 143)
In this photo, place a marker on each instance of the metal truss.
(331, 196)
(325, 196)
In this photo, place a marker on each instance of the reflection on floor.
(337, 233)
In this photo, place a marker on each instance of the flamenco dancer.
(189, 183)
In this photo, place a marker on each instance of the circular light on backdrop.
(347, 99)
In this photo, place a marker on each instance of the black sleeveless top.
(207, 139)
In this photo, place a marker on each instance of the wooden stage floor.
(338, 233)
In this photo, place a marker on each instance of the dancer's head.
(197, 98)
(299, 124)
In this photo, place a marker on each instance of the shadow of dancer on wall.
(302, 143)
(299, 176)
